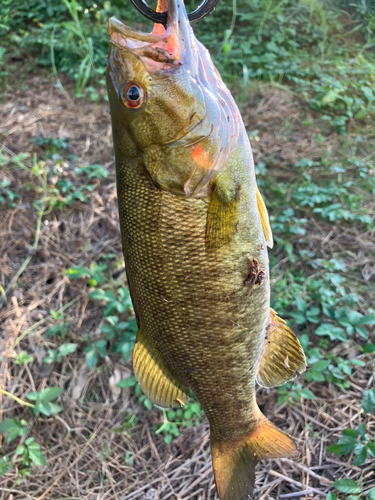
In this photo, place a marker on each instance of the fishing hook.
(161, 17)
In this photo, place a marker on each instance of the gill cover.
(188, 123)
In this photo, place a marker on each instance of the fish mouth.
(169, 45)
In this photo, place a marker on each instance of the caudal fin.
(234, 463)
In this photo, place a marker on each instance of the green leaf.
(361, 332)
(331, 96)
(307, 394)
(168, 439)
(148, 404)
(91, 358)
(312, 315)
(127, 382)
(345, 445)
(42, 407)
(351, 432)
(369, 348)
(77, 272)
(371, 494)
(101, 346)
(360, 454)
(50, 393)
(36, 455)
(371, 447)
(333, 332)
(367, 320)
(5, 465)
(33, 396)
(54, 408)
(66, 349)
(368, 400)
(15, 433)
(7, 425)
(100, 294)
(347, 486)
(301, 304)
(321, 365)
(331, 496)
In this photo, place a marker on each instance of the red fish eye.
(133, 95)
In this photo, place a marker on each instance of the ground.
(103, 444)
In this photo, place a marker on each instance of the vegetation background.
(73, 422)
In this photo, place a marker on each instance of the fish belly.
(195, 304)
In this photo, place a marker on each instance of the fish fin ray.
(222, 219)
(155, 379)
(282, 358)
(267, 231)
(234, 463)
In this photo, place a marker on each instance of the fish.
(195, 232)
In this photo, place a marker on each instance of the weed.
(23, 358)
(7, 195)
(30, 453)
(56, 355)
(14, 428)
(175, 420)
(293, 392)
(51, 145)
(94, 273)
(43, 401)
(357, 441)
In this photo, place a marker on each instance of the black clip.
(161, 17)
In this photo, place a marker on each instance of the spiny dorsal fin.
(234, 463)
(282, 358)
(264, 219)
(154, 377)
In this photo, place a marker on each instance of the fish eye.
(132, 95)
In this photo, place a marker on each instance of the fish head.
(169, 104)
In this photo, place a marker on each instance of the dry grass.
(91, 456)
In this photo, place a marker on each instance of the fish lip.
(116, 26)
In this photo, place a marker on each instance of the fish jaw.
(189, 124)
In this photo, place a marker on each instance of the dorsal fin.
(264, 219)
(282, 358)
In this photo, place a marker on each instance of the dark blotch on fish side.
(255, 276)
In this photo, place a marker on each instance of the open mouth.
(161, 45)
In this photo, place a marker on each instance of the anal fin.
(234, 463)
(267, 231)
(282, 358)
(154, 377)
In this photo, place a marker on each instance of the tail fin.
(234, 463)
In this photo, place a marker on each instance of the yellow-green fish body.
(194, 231)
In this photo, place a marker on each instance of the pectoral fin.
(264, 219)
(222, 219)
(282, 358)
(154, 377)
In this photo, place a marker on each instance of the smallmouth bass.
(194, 233)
